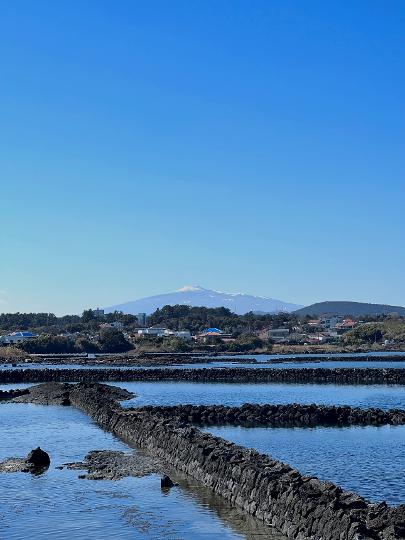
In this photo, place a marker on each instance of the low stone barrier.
(230, 375)
(301, 507)
(6, 395)
(290, 415)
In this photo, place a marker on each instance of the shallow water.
(286, 364)
(368, 460)
(59, 505)
(173, 393)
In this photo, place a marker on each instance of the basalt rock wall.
(300, 507)
(291, 415)
(236, 375)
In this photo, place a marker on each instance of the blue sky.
(243, 146)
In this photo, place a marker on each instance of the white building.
(157, 332)
(164, 332)
(278, 334)
(184, 334)
(16, 337)
(116, 324)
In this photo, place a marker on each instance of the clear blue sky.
(242, 146)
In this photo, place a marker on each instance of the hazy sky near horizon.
(243, 146)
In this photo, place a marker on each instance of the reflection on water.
(59, 505)
(173, 393)
(368, 460)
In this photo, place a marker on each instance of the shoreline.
(167, 359)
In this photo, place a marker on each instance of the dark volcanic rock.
(11, 465)
(11, 394)
(289, 415)
(114, 465)
(53, 393)
(36, 462)
(166, 482)
(235, 374)
(38, 458)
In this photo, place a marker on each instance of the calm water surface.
(173, 393)
(59, 505)
(176, 392)
(367, 460)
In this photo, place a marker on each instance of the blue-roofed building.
(213, 331)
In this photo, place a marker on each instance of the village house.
(278, 335)
(164, 332)
(16, 337)
(210, 333)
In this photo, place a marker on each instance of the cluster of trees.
(110, 341)
(365, 333)
(196, 319)
(242, 343)
(375, 332)
(51, 324)
(25, 321)
(247, 343)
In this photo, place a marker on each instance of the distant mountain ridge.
(197, 296)
(356, 309)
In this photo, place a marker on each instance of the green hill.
(355, 309)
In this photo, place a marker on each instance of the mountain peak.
(190, 288)
(197, 296)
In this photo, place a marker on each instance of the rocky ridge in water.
(299, 506)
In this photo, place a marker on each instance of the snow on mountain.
(193, 295)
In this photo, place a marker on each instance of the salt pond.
(176, 392)
(368, 460)
(59, 505)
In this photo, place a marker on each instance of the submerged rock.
(36, 462)
(12, 394)
(114, 465)
(167, 482)
(54, 393)
(47, 394)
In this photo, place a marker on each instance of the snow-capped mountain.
(191, 295)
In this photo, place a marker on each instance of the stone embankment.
(301, 507)
(231, 375)
(291, 415)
